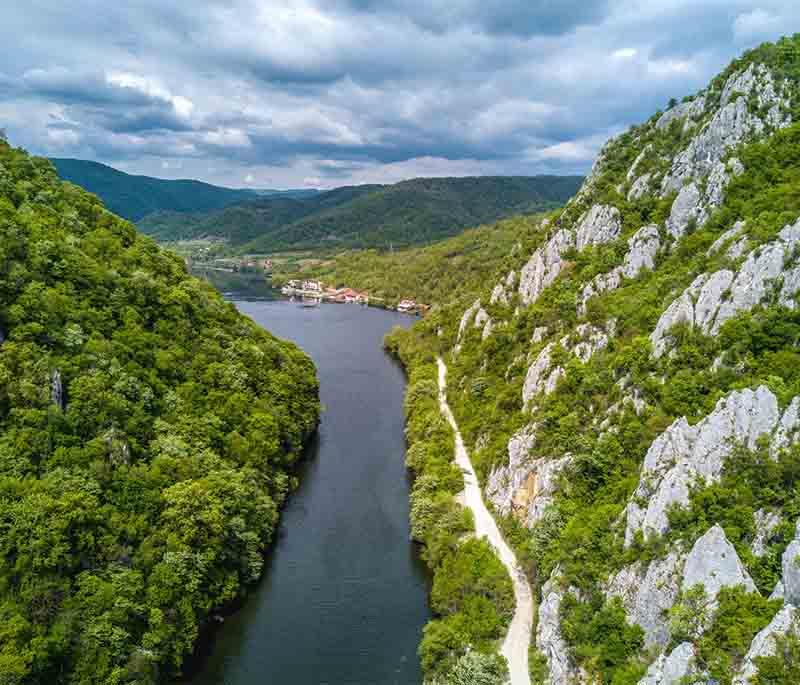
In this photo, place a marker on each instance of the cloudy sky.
(292, 93)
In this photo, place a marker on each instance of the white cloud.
(625, 53)
(755, 24)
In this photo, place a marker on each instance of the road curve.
(518, 639)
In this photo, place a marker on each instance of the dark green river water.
(343, 598)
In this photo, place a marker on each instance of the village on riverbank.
(316, 290)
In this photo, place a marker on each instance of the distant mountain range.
(411, 212)
(134, 197)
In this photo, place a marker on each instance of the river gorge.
(343, 597)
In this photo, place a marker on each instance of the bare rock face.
(684, 454)
(636, 162)
(642, 249)
(505, 481)
(544, 266)
(539, 334)
(685, 208)
(765, 523)
(524, 488)
(726, 238)
(639, 187)
(714, 564)
(691, 109)
(538, 376)
(57, 390)
(648, 592)
(549, 640)
(713, 299)
(468, 316)
(790, 564)
(499, 295)
(672, 669)
(730, 126)
(591, 339)
(601, 224)
(785, 622)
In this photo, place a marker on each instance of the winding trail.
(518, 639)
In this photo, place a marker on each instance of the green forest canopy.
(146, 435)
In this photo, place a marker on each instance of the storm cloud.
(273, 93)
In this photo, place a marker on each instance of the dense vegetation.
(134, 197)
(438, 272)
(241, 223)
(472, 596)
(407, 213)
(147, 432)
(580, 532)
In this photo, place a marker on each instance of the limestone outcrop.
(549, 640)
(648, 592)
(684, 454)
(672, 669)
(714, 564)
(790, 565)
(765, 522)
(713, 299)
(642, 249)
(601, 224)
(731, 125)
(544, 266)
(765, 643)
(524, 487)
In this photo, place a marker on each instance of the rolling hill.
(411, 212)
(134, 197)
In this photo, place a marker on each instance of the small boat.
(309, 302)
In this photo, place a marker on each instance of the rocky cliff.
(630, 380)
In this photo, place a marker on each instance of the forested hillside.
(439, 272)
(134, 197)
(147, 432)
(407, 213)
(627, 381)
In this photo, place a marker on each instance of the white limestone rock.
(639, 187)
(499, 295)
(636, 162)
(730, 126)
(765, 524)
(672, 669)
(648, 592)
(537, 376)
(539, 334)
(790, 288)
(714, 564)
(601, 224)
(684, 454)
(481, 317)
(504, 481)
(787, 433)
(488, 327)
(713, 299)
(642, 249)
(727, 237)
(467, 317)
(779, 592)
(785, 622)
(549, 640)
(544, 266)
(690, 109)
(790, 565)
(685, 208)
(591, 339)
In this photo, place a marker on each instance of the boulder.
(685, 208)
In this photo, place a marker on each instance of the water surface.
(343, 598)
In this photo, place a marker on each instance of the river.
(344, 596)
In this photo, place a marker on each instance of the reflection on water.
(247, 285)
